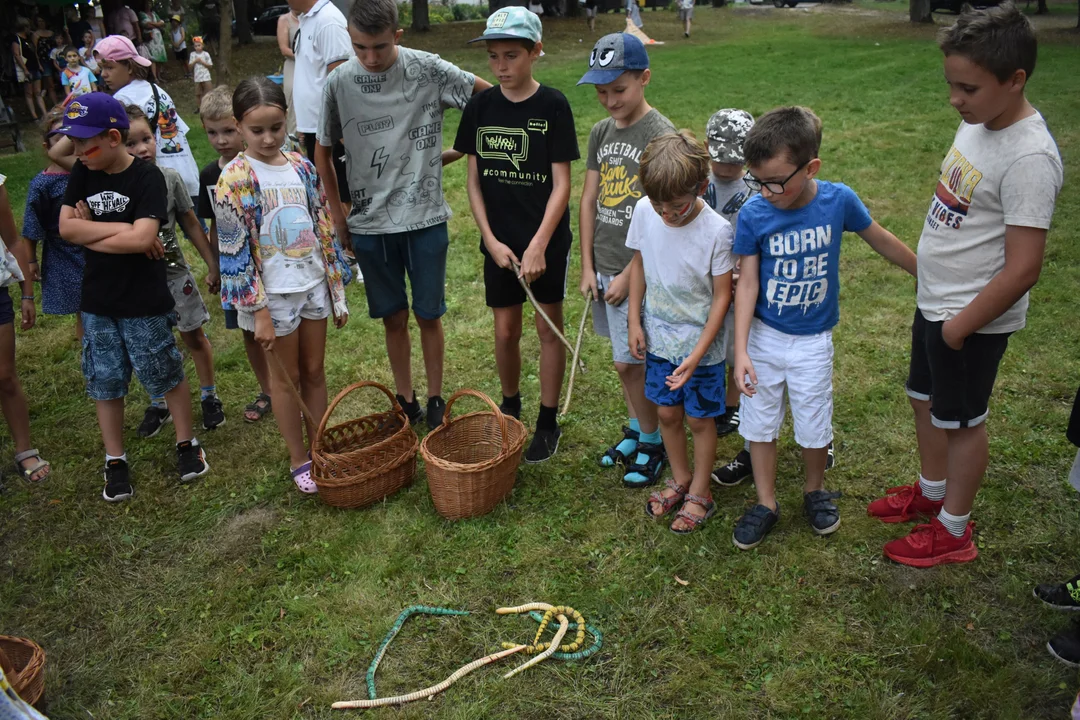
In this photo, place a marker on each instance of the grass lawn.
(238, 598)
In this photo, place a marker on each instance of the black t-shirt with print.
(515, 145)
(130, 285)
(208, 178)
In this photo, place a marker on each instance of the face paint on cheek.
(92, 151)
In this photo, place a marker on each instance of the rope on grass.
(434, 689)
(405, 615)
(577, 351)
(564, 625)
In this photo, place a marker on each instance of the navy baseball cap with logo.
(613, 55)
(90, 115)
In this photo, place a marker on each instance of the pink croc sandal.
(302, 477)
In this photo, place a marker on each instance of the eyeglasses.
(776, 188)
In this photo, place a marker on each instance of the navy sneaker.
(754, 525)
(821, 511)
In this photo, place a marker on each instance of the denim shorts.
(385, 260)
(113, 347)
(702, 396)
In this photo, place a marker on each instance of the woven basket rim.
(406, 454)
(403, 431)
(515, 444)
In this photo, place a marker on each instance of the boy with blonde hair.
(681, 272)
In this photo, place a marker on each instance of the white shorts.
(803, 364)
(612, 322)
(287, 309)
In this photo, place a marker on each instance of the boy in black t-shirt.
(520, 139)
(113, 207)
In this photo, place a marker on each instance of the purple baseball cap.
(91, 114)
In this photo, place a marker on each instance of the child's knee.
(312, 368)
(397, 322)
(546, 334)
(508, 333)
(670, 414)
(919, 405)
(9, 382)
(698, 425)
(196, 341)
(628, 372)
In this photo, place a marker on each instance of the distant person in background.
(590, 14)
(179, 43)
(86, 51)
(151, 24)
(45, 44)
(122, 20)
(633, 12)
(87, 15)
(77, 26)
(27, 67)
(288, 25)
(686, 14)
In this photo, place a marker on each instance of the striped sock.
(955, 524)
(207, 391)
(158, 401)
(932, 489)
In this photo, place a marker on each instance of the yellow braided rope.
(550, 611)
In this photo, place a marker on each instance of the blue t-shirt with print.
(800, 256)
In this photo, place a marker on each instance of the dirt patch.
(241, 533)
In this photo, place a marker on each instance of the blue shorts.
(232, 321)
(7, 307)
(702, 396)
(386, 259)
(113, 347)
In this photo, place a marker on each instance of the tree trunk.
(1042, 9)
(421, 21)
(919, 11)
(225, 49)
(243, 22)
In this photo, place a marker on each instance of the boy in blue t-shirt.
(786, 304)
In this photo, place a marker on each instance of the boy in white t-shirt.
(682, 272)
(200, 62)
(76, 77)
(980, 253)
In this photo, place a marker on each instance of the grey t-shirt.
(727, 197)
(616, 154)
(989, 179)
(391, 123)
(179, 203)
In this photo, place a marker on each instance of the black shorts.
(958, 383)
(501, 287)
(7, 307)
(181, 55)
(339, 166)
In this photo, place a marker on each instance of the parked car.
(266, 23)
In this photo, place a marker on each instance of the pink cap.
(118, 47)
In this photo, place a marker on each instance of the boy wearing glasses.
(786, 304)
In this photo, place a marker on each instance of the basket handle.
(316, 443)
(498, 413)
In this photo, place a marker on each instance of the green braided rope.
(405, 615)
(598, 641)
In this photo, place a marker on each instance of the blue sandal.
(613, 455)
(648, 473)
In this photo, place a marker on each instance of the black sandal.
(651, 470)
(260, 410)
(614, 454)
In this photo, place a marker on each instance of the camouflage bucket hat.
(726, 133)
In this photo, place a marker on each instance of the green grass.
(238, 598)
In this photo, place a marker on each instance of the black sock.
(512, 404)
(545, 419)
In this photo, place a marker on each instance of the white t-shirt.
(87, 55)
(989, 179)
(324, 39)
(200, 73)
(78, 83)
(289, 249)
(172, 145)
(680, 264)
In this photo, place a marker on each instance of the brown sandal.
(667, 504)
(693, 521)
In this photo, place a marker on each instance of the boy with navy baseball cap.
(619, 68)
(520, 139)
(113, 207)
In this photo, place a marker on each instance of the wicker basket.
(26, 661)
(472, 460)
(361, 461)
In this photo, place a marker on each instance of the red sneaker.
(931, 544)
(903, 503)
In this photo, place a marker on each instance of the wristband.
(27, 297)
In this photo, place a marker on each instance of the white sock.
(955, 524)
(109, 457)
(932, 489)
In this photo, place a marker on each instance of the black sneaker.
(754, 525)
(728, 422)
(1062, 596)
(830, 461)
(191, 460)
(213, 414)
(543, 445)
(821, 511)
(153, 420)
(514, 412)
(436, 407)
(735, 471)
(1065, 646)
(117, 481)
(412, 409)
